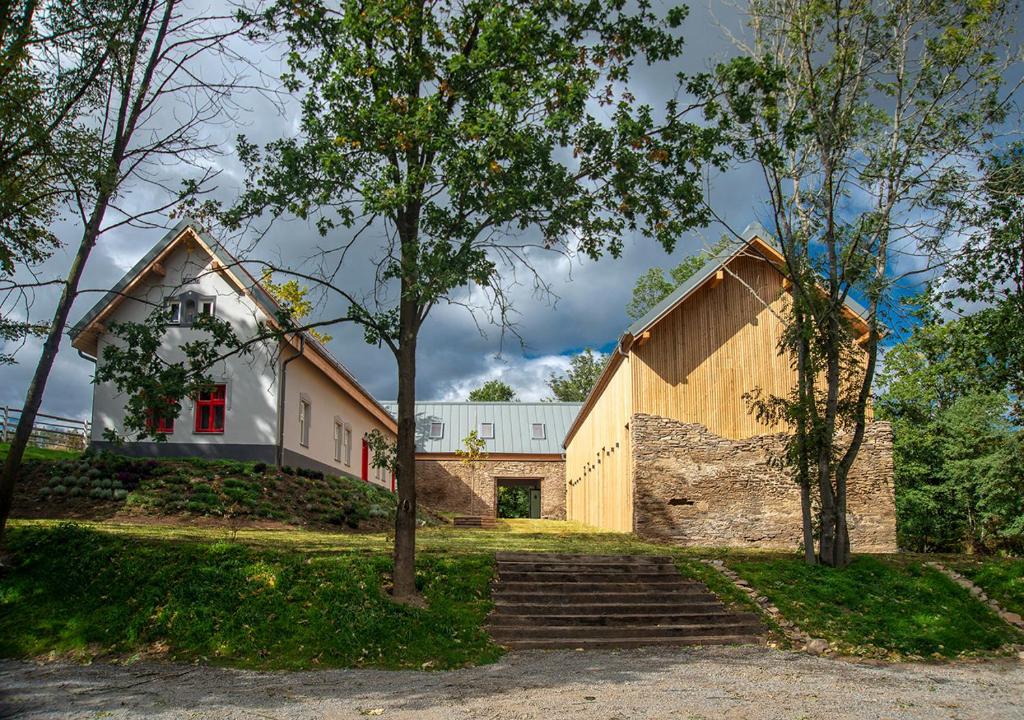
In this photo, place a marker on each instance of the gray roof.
(709, 268)
(513, 423)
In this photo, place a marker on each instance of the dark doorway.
(517, 498)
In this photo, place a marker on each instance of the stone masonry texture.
(470, 488)
(698, 488)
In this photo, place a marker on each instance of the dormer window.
(487, 430)
(538, 431)
(436, 430)
(174, 309)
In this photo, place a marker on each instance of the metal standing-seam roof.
(513, 423)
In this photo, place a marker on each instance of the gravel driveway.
(731, 682)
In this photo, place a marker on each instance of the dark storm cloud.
(453, 355)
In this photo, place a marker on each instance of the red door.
(392, 481)
(366, 461)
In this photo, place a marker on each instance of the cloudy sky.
(456, 353)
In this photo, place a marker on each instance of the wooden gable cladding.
(720, 343)
(598, 464)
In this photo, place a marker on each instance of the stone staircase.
(475, 521)
(559, 600)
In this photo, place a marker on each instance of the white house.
(289, 402)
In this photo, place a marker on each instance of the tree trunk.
(405, 514)
(34, 398)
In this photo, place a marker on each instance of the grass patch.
(83, 592)
(38, 453)
(878, 608)
(1001, 578)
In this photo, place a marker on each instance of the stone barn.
(665, 445)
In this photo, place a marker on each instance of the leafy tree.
(959, 475)
(989, 268)
(865, 118)
(464, 136)
(493, 391)
(293, 298)
(150, 107)
(576, 383)
(652, 287)
(513, 502)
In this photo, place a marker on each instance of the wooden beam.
(644, 337)
(863, 339)
(787, 284)
(717, 279)
(158, 269)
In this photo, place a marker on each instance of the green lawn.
(1001, 578)
(296, 598)
(36, 453)
(879, 607)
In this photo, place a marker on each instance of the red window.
(210, 410)
(163, 425)
(366, 461)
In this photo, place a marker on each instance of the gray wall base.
(244, 453)
(294, 459)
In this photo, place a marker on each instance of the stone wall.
(699, 488)
(469, 488)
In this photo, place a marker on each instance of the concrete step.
(589, 576)
(551, 607)
(579, 559)
(609, 568)
(596, 632)
(613, 643)
(680, 586)
(709, 616)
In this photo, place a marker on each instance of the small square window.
(206, 307)
(174, 309)
(487, 431)
(538, 431)
(436, 430)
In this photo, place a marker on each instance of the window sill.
(207, 432)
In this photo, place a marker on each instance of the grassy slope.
(35, 453)
(1001, 578)
(876, 607)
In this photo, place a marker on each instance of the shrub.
(120, 494)
(260, 467)
(287, 470)
(76, 492)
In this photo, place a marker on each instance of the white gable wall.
(251, 405)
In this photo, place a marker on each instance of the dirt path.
(737, 682)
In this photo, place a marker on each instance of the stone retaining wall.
(469, 488)
(698, 488)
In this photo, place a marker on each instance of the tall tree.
(988, 270)
(467, 136)
(52, 55)
(652, 287)
(576, 383)
(959, 468)
(493, 391)
(864, 117)
(152, 106)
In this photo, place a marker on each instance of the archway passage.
(517, 498)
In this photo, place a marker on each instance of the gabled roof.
(513, 423)
(754, 239)
(246, 283)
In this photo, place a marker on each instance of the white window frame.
(543, 431)
(339, 440)
(486, 431)
(348, 445)
(439, 434)
(202, 306)
(305, 419)
(174, 307)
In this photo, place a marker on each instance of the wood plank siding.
(718, 344)
(599, 480)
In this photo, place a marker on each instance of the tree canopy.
(652, 287)
(493, 391)
(576, 383)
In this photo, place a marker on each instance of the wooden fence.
(49, 431)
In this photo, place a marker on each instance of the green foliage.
(652, 287)
(874, 607)
(75, 589)
(958, 462)
(473, 448)
(576, 383)
(1001, 578)
(513, 502)
(493, 391)
(294, 302)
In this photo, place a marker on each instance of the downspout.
(280, 402)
